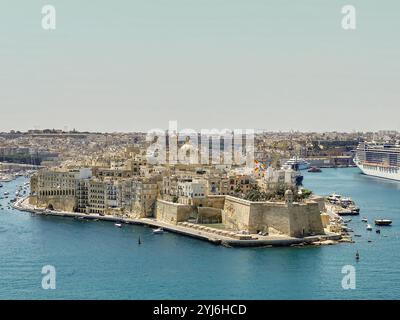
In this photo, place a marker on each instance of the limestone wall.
(172, 212)
(295, 219)
(208, 215)
(269, 214)
(305, 219)
(325, 219)
(211, 201)
(61, 203)
(33, 200)
(320, 200)
(236, 213)
(215, 202)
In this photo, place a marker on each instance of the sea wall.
(210, 201)
(295, 219)
(209, 215)
(172, 212)
(239, 214)
(61, 203)
(305, 219)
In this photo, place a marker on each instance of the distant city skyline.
(133, 66)
(73, 130)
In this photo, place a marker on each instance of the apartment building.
(191, 191)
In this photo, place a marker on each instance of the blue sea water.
(95, 260)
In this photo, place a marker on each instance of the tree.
(305, 193)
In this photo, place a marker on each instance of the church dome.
(188, 153)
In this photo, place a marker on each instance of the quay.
(201, 232)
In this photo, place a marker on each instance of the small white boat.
(369, 228)
(118, 225)
(158, 231)
(364, 220)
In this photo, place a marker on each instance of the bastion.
(295, 219)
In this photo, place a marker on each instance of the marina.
(342, 206)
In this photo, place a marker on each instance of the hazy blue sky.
(127, 65)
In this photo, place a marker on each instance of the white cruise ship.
(379, 160)
(297, 163)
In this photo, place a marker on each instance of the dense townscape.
(113, 175)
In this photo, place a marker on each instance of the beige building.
(241, 183)
(191, 191)
(272, 178)
(57, 188)
(218, 185)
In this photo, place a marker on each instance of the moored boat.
(158, 231)
(297, 163)
(334, 198)
(347, 212)
(383, 222)
(314, 169)
(369, 228)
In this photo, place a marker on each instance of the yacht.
(314, 170)
(369, 228)
(334, 198)
(383, 222)
(297, 163)
(158, 231)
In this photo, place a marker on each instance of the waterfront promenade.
(201, 232)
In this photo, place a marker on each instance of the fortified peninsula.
(233, 205)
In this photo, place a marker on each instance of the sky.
(129, 65)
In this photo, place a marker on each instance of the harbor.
(201, 232)
(86, 252)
